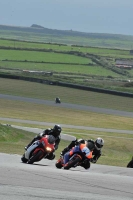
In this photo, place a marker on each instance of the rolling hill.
(69, 37)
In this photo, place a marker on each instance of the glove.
(40, 135)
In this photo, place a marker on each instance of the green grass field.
(41, 57)
(86, 49)
(66, 48)
(90, 66)
(57, 68)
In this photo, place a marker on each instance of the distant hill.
(40, 29)
(36, 26)
(39, 33)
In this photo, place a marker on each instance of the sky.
(91, 16)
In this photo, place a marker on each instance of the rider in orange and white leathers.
(81, 149)
(94, 146)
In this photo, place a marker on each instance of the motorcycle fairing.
(31, 148)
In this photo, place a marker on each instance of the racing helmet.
(57, 130)
(99, 142)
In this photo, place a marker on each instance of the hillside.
(42, 34)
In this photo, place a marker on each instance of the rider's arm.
(75, 142)
(45, 132)
(86, 151)
(57, 141)
(96, 156)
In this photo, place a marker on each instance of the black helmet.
(99, 143)
(51, 139)
(57, 130)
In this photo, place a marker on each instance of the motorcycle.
(74, 161)
(39, 149)
(57, 100)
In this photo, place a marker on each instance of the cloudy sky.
(95, 16)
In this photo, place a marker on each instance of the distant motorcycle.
(57, 100)
(74, 161)
(39, 150)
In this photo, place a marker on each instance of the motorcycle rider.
(55, 131)
(94, 147)
(57, 100)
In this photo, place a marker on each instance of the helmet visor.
(99, 146)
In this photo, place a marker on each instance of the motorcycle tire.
(37, 157)
(58, 164)
(23, 159)
(72, 162)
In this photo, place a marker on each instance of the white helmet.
(99, 143)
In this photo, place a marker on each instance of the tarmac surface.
(43, 180)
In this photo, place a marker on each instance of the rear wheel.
(36, 157)
(72, 162)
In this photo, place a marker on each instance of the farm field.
(103, 51)
(72, 70)
(66, 64)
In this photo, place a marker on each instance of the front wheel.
(58, 164)
(72, 162)
(23, 159)
(36, 157)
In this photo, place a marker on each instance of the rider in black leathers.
(55, 131)
(94, 146)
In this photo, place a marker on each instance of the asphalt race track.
(68, 105)
(43, 180)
